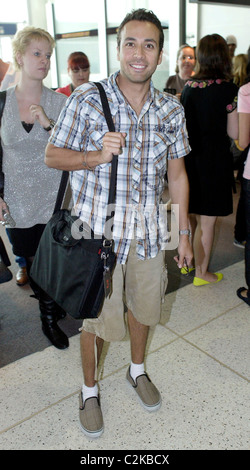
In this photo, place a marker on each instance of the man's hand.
(113, 143)
(185, 252)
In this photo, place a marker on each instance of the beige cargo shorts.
(139, 286)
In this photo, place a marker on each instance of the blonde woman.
(240, 69)
(30, 187)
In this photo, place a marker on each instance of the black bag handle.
(65, 175)
(2, 104)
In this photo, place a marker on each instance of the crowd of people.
(191, 123)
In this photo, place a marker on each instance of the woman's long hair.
(239, 69)
(213, 60)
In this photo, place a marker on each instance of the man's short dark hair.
(142, 15)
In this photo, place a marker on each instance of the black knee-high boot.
(50, 313)
(33, 285)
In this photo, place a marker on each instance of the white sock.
(88, 392)
(136, 370)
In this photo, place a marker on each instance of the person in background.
(9, 77)
(78, 70)
(81, 143)
(210, 102)
(30, 112)
(244, 140)
(3, 70)
(231, 44)
(240, 69)
(239, 156)
(185, 64)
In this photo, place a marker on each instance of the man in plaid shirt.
(150, 138)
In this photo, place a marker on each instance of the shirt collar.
(118, 94)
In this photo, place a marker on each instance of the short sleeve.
(232, 106)
(244, 99)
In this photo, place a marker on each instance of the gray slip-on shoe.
(90, 415)
(147, 392)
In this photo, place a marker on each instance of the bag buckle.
(107, 243)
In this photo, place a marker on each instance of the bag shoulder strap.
(105, 106)
(65, 174)
(2, 102)
(111, 126)
(61, 191)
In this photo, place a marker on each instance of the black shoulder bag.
(76, 272)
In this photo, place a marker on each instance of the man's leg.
(138, 339)
(145, 287)
(89, 362)
(91, 419)
(146, 391)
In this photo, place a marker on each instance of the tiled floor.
(198, 356)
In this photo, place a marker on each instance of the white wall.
(225, 20)
(201, 19)
(37, 13)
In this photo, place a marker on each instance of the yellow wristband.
(237, 145)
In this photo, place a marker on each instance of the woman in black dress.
(210, 102)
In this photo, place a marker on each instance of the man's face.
(231, 48)
(139, 52)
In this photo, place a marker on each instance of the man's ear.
(118, 53)
(160, 57)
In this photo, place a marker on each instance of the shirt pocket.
(164, 137)
(97, 131)
(95, 140)
(157, 167)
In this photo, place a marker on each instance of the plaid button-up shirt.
(158, 134)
